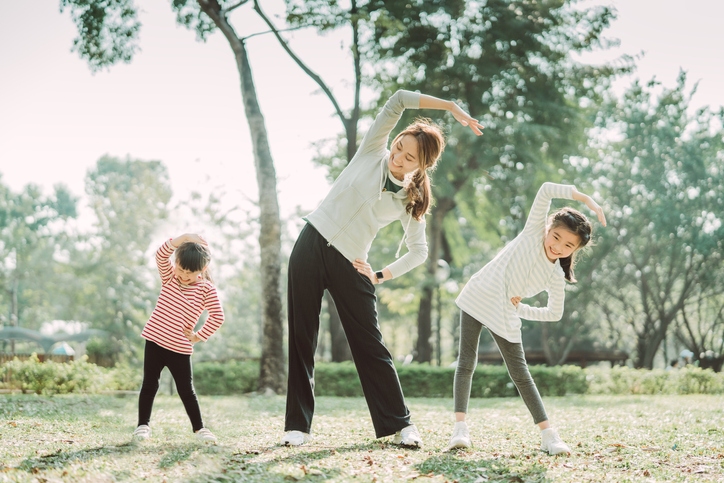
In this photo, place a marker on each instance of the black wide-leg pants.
(314, 266)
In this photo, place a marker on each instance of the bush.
(224, 378)
(423, 380)
(31, 375)
(624, 380)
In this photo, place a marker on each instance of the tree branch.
(302, 65)
(224, 11)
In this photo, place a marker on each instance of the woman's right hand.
(365, 269)
(465, 119)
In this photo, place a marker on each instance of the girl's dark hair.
(430, 144)
(194, 257)
(577, 223)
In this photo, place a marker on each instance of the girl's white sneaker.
(295, 438)
(552, 443)
(142, 433)
(460, 437)
(205, 435)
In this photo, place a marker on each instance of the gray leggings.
(514, 358)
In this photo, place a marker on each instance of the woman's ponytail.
(430, 145)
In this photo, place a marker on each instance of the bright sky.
(179, 101)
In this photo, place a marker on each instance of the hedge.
(341, 379)
(422, 380)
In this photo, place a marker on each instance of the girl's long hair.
(194, 257)
(577, 223)
(430, 144)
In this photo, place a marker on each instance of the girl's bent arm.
(588, 201)
(216, 314)
(538, 215)
(552, 312)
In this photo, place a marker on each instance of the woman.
(378, 187)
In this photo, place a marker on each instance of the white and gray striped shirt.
(521, 269)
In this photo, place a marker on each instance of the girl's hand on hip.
(191, 336)
(516, 300)
(365, 269)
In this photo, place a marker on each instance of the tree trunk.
(271, 366)
(340, 346)
(423, 347)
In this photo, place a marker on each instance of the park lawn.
(613, 438)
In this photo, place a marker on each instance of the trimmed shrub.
(423, 380)
(224, 378)
(624, 380)
(31, 375)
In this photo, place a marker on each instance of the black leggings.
(154, 360)
(314, 265)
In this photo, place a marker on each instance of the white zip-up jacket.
(521, 269)
(356, 206)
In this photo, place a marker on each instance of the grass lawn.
(613, 438)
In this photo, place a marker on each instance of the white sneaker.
(142, 433)
(552, 443)
(408, 436)
(205, 435)
(460, 437)
(295, 438)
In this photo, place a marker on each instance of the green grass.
(613, 438)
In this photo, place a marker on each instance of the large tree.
(662, 179)
(107, 34)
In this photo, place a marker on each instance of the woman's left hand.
(466, 120)
(365, 269)
(191, 336)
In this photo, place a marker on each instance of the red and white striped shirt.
(180, 306)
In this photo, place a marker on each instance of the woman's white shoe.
(295, 438)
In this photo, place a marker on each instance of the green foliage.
(107, 30)
(624, 380)
(224, 378)
(32, 239)
(53, 378)
(663, 185)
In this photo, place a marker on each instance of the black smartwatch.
(379, 276)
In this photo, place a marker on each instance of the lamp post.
(442, 273)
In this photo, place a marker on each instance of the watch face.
(379, 275)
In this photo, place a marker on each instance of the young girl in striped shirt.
(539, 259)
(186, 291)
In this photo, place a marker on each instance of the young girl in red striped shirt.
(186, 291)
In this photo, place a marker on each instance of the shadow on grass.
(59, 459)
(283, 464)
(454, 467)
